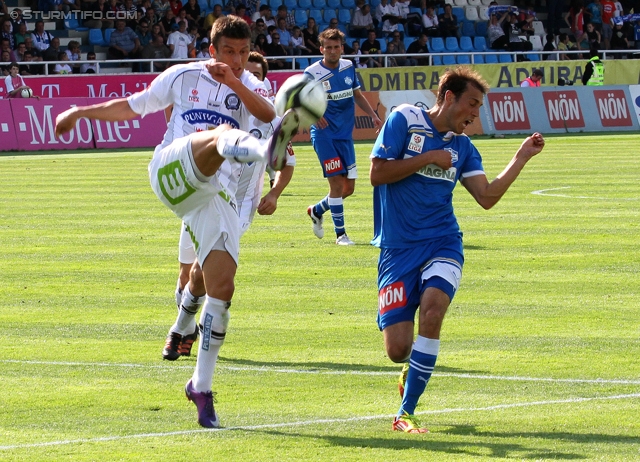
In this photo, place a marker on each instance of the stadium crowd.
(405, 29)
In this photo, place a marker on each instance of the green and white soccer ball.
(304, 94)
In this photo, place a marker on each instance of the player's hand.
(221, 72)
(268, 204)
(321, 123)
(531, 146)
(440, 157)
(377, 123)
(66, 121)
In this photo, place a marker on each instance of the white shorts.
(209, 214)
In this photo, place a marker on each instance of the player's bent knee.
(398, 353)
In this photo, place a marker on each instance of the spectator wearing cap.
(534, 79)
(362, 22)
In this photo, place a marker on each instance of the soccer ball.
(26, 93)
(304, 94)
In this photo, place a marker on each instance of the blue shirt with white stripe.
(419, 207)
(339, 84)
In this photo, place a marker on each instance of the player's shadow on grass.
(395, 368)
(435, 442)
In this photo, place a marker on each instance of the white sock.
(214, 320)
(178, 294)
(186, 321)
(240, 146)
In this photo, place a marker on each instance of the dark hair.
(14, 64)
(457, 80)
(331, 34)
(255, 57)
(537, 72)
(231, 27)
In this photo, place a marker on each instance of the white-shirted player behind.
(245, 183)
(211, 100)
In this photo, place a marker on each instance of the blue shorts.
(337, 157)
(404, 274)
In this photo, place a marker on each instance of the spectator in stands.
(5, 32)
(151, 17)
(371, 46)
(398, 45)
(176, 6)
(15, 83)
(575, 20)
(28, 66)
(124, 42)
(591, 38)
(448, 23)
(498, 40)
(276, 49)
(252, 7)
(21, 33)
(211, 17)
(193, 12)
(391, 18)
(608, 10)
(310, 34)
(5, 58)
(565, 45)
(593, 15)
(550, 45)
(258, 29)
(62, 68)
(333, 24)
(63, 5)
(182, 16)
(513, 31)
(156, 29)
(285, 36)
(380, 11)
(144, 33)
(283, 13)
(73, 53)
(97, 7)
(636, 34)
(266, 15)
(130, 13)
(5, 46)
(260, 44)
(89, 68)
(534, 79)
(391, 50)
(180, 43)
(41, 38)
(156, 49)
(3, 9)
(430, 22)
(204, 49)
(167, 22)
(297, 42)
(51, 53)
(161, 7)
(619, 41)
(362, 22)
(419, 46)
(28, 43)
(241, 12)
(19, 52)
(356, 51)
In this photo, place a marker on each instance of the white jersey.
(199, 102)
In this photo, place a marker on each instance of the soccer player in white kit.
(245, 182)
(215, 94)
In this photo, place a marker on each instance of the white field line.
(543, 192)
(312, 422)
(280, 370)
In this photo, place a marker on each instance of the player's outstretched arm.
(269, 202)
(385, 171)
(488, 194)
(110, 111)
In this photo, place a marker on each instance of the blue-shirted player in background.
(415, 164)
(332, 135)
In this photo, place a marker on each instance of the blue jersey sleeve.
(390, 143)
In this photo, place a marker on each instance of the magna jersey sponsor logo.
(433, 171)
(332, 165)
(391, 297)
(340, 95)
(205, 116)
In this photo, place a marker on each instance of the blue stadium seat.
(350, 4)
(463, 59)
(408, 41)
(448, 60)
(291, 4)
(437, 60)
(320, 4)
(469, 28)
(436, 45)
(505, 57)
(458, 13)
(315, 14)
(274, 4)
(96, 38)
(479, 43)
(107, 35)
(466, 44)
(451, 44)
(478, 59)
(301, 17)
(491, 59)
(303, 62)
(335, 4)
(533, 57)
(73, 24)
(374, 4)
(328, 15)
(204, 6)
(304, 4)
(481, 28)
(344, 16)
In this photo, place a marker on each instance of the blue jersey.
(419, 207)
(339, 84)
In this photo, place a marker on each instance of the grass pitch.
(539, 351)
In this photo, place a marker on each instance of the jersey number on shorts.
(173, 183)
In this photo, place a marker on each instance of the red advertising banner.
(563, 109)
(612, 108)
(8, 141)
(508, 111)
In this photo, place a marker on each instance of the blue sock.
(337, 213)
(321, 207)
(421, 363)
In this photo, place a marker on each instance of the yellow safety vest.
(597, 78)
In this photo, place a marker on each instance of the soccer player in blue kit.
(415, 164)
(332, 135)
